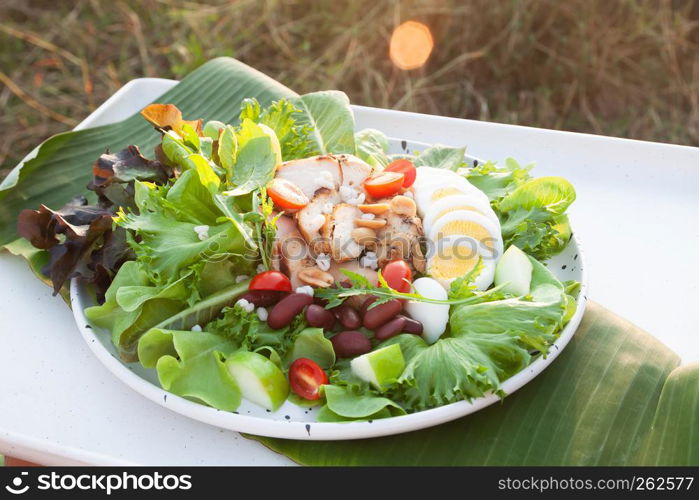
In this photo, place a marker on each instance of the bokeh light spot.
(411, 45)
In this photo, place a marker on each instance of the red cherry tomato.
(398, 275)
(384, 184)
(271, 280)
(404, 167)
(286, 194)
(306, 377)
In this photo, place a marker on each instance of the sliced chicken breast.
(312, 174)
(400, 239)
(354, 171)
(291, 252)
(315, 216)
(355, 267)
(339, 231)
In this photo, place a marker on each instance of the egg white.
(456, 202)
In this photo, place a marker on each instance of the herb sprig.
(360, 285)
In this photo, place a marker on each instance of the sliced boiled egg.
(465, 224)
(456, 202)
(434, 317)
(444, 183)
(457, 256)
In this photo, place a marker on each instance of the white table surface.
(637, 214)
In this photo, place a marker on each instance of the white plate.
(293, 422)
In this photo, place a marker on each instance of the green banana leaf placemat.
(615, 396)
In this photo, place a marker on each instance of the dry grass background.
(626, 68)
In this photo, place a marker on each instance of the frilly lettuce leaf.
(346, 404)
(533, 216)
(168, 245)
(534, 322)
(554, 194)
(294, 138)
(439, 156)
(497, 181)
(252, 333)
(491, 339)
(191, 364)
(455, 368)
(167, 220)
(372, 147)
(330, 120)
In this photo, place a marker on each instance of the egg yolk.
(468, 228)
(453, 262)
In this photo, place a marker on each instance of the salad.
(286, 257)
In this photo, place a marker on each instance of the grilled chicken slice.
(291, 253)
(354, 171)
(315, 216)
(355, 267)
(400, 239)
(312, 174)
(339, 232)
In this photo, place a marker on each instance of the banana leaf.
(615, 396)
(61, 168)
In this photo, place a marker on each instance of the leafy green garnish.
(346, 404)
(439, 156)
(496, 181)
(311, 343)
(455, 368)
(294, 137)
(372, 147)
(360, 285)
(251, 333)
(191, 364)
(256, 161)
(329, 119)
(533, 216)
(228, 150)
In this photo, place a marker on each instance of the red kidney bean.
(388, 330)
(365, 305)
(320, 317)
(381, 314)
(412, 326)
(320, 302)
(263, 298)
(284, 311)
(348, 316)
(350, 343)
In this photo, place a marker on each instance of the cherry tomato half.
(384, 184)
(306, 377)
(286, 194)
(271, 280)
(404, 167)
(398, 275)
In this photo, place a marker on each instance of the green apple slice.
(259, 379)
(514, 269)
(381, 367)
